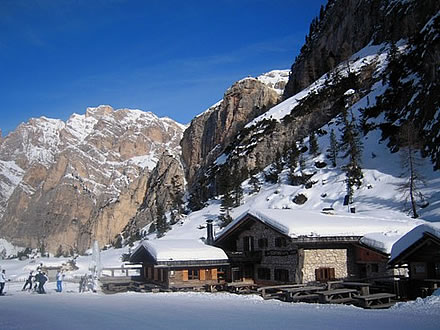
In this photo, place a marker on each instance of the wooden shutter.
(202, 275)
(185, 275)
(214, 274)
(318, 275)
(332, 273)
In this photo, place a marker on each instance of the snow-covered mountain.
(58, 177)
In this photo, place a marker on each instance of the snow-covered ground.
(72, 310)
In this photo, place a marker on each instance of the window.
(248, 243)
(262, 243)
(374, 268)
(280, 242)
(193, 274)
(263, 273)
(281, 275)
(325, 274)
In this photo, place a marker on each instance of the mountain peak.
(99, 111)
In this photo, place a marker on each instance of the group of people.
(36, 281)
(88, 282)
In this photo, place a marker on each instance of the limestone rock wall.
(209, 133)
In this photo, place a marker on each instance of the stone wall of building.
(323, 258)
(273, 257)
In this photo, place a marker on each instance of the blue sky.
(174, 58)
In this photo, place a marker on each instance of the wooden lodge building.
(280, 246)
(180, 264)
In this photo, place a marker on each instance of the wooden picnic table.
(433, 282)
(274, 291)
(363, 287)
(376, 300)
(333, 284)
(336, 296)
(241, 287)
(302, 293)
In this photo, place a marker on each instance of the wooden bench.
(336, 296)
(376, 300)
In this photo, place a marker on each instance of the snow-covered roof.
(381, 241)
(182, 250)
(413, 236)
(299, 223)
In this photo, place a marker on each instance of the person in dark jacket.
(2, 281)
(42, 280)
(28, 281)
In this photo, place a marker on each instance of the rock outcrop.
(347, 26)
(209, 133)
(164, 189)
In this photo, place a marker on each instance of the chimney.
(210, 237)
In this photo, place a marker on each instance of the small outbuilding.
(178, 264)
(419, 252)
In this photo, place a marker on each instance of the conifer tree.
(273, 175)
(237, 191)
(225, 209)
(162, 225)
(333, 149)
(302, 163)
(352, 145)
(292, 162)
(255, 184)
(294, 154)
(177, 207)
(410, 145)
(313, 145)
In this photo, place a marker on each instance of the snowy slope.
(371, 54)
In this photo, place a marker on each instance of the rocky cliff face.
(66, 183)
(165, 189)
(209, 133)
(347, 26)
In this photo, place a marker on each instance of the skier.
(2, 282)
(60, 277)
(28, 281)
